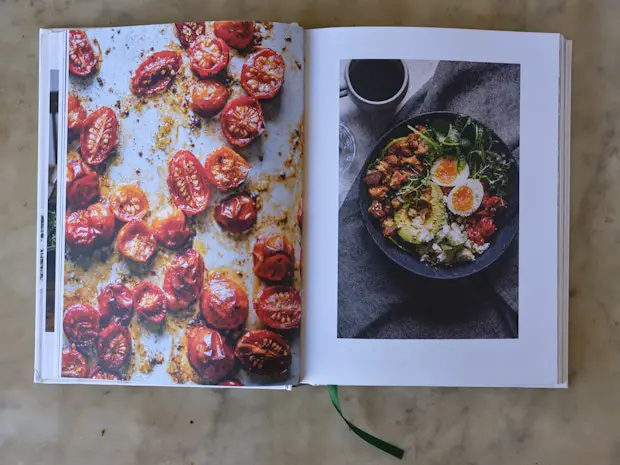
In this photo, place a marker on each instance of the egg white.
(477, 191)
(461, 177)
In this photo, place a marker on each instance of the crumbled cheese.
(479, 249)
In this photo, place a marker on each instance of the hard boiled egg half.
(447, 172)
(465, 199)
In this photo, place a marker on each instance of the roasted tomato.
(75, 117)
(90, 228)
(81, 324)
(279, 307)
(99, 136)
(236, 214)
(264, 353)
(224, 304)
(82, 58)
(209, 97)
(150, 303)
(230, 382)
(188, 183)
(237, 34)
(73, 364)
(129, 202)
(82, 184)
(114, 347)
(208, 56)
(170, 227)
(183, 280)
(226, 169)
(156, 73)
(209, 354)
(242, 121)
(187, 32)
(115, 302)
(136, 241)
(262, 74)
(98, 373)
(274, 258)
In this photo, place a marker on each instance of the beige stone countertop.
(75, 425)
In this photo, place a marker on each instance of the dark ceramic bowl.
(507, 223)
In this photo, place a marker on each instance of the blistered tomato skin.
(226, 169)
(262, 74)
(171, 227)
(73, 364)
(236, 214)
(237, 34)
(136, 241)
(150, 303)
(99, 136)
(188, 32)
(75, 117)
(114, 347)
(264, 353)
(209, 97)
(129, 202)
(82, 58)
(90, 228)
(82, 184)
(208, 56)
(279, 307)
(81, 323)
(183, 280)
(224, 304)
(115, 303)
(188, 183)
(242, 121)
(274, 258)
(209, 354)
(156, 73)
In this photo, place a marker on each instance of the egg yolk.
(463, 198)
(447, 172)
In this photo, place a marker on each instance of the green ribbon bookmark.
(369, 438)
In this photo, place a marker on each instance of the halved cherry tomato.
(187, 32)
(136, 241)
(150, 303)
(264, 353)
(236, 214)
(242, 121)
(114, 347)
(224, 304)
(156, 73)
(237, 34)
(170, 227)
(209, 97)
(99, 136)
(75, 116)
(129, 202)
(89, 228)
(274, 258)
(209, 354)
(183, 280)
(279, 307)
(81, 325)
(73, 364)
(82, 184)
(115, 302)
(188, 183)
(97, 373)
(208, 56)
(226, 169)
(262, 74)
(82, 59)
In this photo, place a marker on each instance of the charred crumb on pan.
(100, 81)
(107, 51)
(297, 64)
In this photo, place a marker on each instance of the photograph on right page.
(428, 200)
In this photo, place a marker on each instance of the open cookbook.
(252, 204)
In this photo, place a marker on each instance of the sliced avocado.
(422, 233)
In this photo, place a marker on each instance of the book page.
(432, 254)
(181, 183)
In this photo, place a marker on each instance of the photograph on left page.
(183, 187)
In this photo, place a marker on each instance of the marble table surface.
(99, 425)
